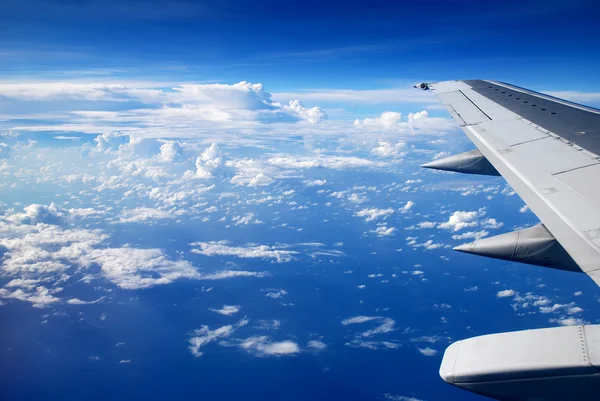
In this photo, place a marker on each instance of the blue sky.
(224, 199)
(314, 44)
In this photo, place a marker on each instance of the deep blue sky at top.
(308, 44)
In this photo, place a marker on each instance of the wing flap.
(513, 132)
(468, 111)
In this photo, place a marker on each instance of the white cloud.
(429, 245)
(220, 248)
(428, 351)
(276, 293)
(321, 161)
(421, 115)
(142, 215)
(356, 198)
(386, 149)
(263, 346)
(460, 220)
(133, 268)
(315, 183)
(28, 284)
(407, 207)
(374, 214)
(505, 293)
(165, 111)
(110, 141)
(352, 96)
(384, 231)
(44, 250)
(568, 321)
(392, 397)
(313, 115)
(245, 220)
(41, 298)
(387, 120)
(77, 301)
(574, 96)
(491, 224)
(226, 310)
(359, 319)
(385, 324)
(203, 336)
(258, 180)
(317, 345)
(226, 274)
(52, 214)
(170, 151)
(426, 224)
(476, 235)
(372, 345)
(207, 163)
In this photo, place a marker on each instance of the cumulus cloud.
(384, 231)
(460, 220)
(110, 141)
(321, 161)
(170, 151)
(428, 351)
(374, 214)
(387, 120)
(204, 335)
(491, 224)
(316, 345)
(221, 248)
(568, 321)
(226, 310)
(407, 207)
(505, 293)
(39, 298)
(133, 268)
(263, 346)
(208, 162)
(276, 293)
(476, 235)
(142, 215)
(249, 218)
(386, 149)
(313, 115)
(180, 108)
(41, 250)
(420, 115)
(52, 214)
(258, 180)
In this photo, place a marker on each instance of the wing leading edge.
(548, 150)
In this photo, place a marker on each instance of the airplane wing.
(548, 150)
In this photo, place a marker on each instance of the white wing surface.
(548, 150)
